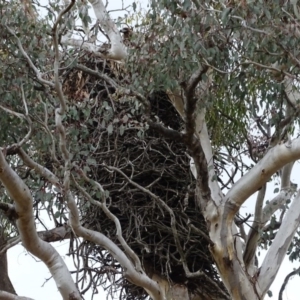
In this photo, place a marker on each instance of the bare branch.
(57, 86)
(121, 90)
(45, 126)
(191, 139)
(138, 278)
(191, 84)
(10, 244)
(202, 133)
(173, 227)
(285, 194)
(111, 216)
(8, 296)
(276, 203)
(31, 64)
(56, 234)
(271, 68)
(280, 245)
(190, 100)
(117, 50)
(43, 171)
(286, 280)
(99, 75)
(20, 193)
(286, 175)
(254, 233)
(166, 132)
(276, 158)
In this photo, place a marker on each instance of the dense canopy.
(143, 136)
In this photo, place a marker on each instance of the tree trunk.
(5, 283)
(175, 291)
(179, 291)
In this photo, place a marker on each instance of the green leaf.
(110, 129)
(225, 14)
(91, 162)
(122, 129)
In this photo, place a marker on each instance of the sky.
(31, 278)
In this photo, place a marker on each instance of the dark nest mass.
(108, 131)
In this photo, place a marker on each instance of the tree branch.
(202, 133)
(192, 141)
(56, 234)
(276, 158)
(20, 193)
(138, 278)
(57, 86)
(117, 49)
(111, 216)
(43, 171)
(8, 296)
(286, 280)
(285, 194)
(120, 89)
(254, 234)
(173, 227)
(31, 64)
(280, 245)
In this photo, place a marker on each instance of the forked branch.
(21, 195)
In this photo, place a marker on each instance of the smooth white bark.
(226, 250)
(115, 50)
(201, 129)
(118, 50)
(274, 160)
(20, 193)
(80, 44)
(280, 245)
(44, 172)
(276, 203)
(138, 278)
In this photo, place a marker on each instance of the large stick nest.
(109, 130)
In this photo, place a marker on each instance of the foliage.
(250, 50)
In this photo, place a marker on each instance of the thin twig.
(285, 282)
(31, 64)
(111, 216)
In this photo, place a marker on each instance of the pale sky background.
(30, 276)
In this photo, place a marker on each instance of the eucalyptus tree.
(147, 145)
